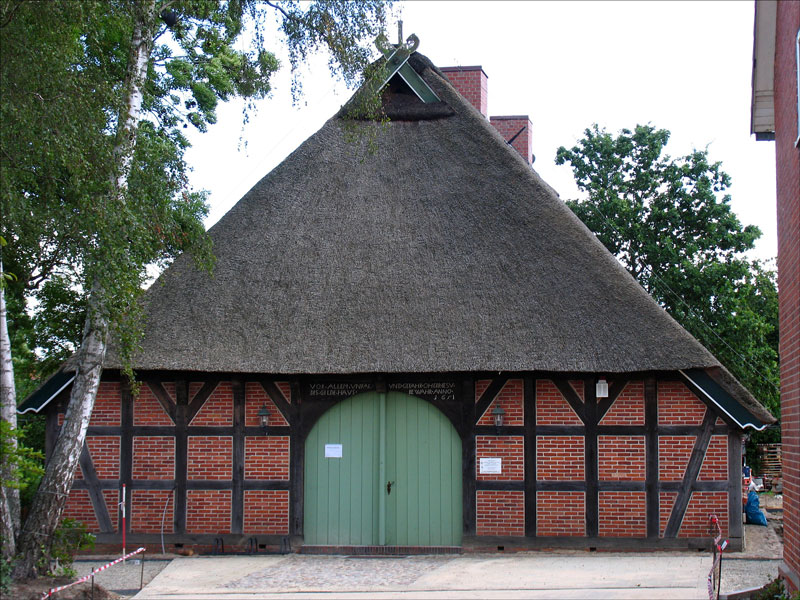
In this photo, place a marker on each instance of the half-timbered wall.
(645, 466)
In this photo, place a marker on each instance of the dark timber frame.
(458, 403)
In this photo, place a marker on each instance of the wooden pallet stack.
(770, 455)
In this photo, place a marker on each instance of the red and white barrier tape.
(720, 548)
(90, 575)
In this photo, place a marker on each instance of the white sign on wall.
(333, 451)
(491, 466)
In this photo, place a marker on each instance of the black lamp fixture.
(498, 413)
(263, 416)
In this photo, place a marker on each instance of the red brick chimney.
(516, 131)
(471, 82)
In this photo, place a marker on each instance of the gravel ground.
(123, 578)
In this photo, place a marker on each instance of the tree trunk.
(50, 499)
(9, 496)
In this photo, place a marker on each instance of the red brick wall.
(500, 512)
(79, 507)
(154, 457)
(666, 501)
(715, 463)
(560, 458)
(673, 456)
(560, 514)
(677, 405)
(787, 157)
(701, 505)
(255, 398)
(628, 408)
(210, 457)
(266, 457)
(266, 511)
(472, 83)
(551, 407)
(510, 399)
(621, 458)
(148, 509)
(511, 449)
(509, 127)
(622, 514)
(106, 409)
(147, 410)
(218, 409)
(112, 498)
(208, 511)
(104, 450)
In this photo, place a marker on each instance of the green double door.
(383, 469)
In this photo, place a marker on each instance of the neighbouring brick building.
(776, 116)
(444, 356)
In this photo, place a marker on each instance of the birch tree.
(164, 66)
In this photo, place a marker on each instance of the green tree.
(669, 222)
(97, 95)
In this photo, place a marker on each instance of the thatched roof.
(425, 245)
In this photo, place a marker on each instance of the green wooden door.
(383, 438)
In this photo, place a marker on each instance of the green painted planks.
(384, 437)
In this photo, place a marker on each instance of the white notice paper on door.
(333, 451)
(491, 466)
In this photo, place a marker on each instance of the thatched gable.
(439, 250)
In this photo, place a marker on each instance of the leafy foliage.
(61, 93)
(669, 222)
(26, 464)
(70, 538)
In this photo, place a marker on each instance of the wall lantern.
(498, 414)
(263, 416)
(601, 389)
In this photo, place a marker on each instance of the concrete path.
(525, 575)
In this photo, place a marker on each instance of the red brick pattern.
(715, 463)
(500, 512)
(147, 410)
(472, 83)
(511, 449)
(788, 182)
(628, 408)
(701, 505)
(148, 509)
(266, 511)
(194, 387)
(579, 386)
(621, 458)
(218, 409)
(154, 457)
(169, 386)
(551, 407)
(510, 399)
(79, 507)
(561, 514)
(673, 456)
(560, 458)
(104, 450)
(112, 498)
(666, 501)
(677, 405)
(622, 514)
(266, 457)
(208, 511)
(210, 457)
(255, 398)
(106, 409)
(521, 127)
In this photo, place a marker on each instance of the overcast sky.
(681, 66)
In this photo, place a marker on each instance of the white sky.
(681, 66)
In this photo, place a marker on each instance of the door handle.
(389, 486)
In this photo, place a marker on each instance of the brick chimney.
(516, 131)
(471, 82)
